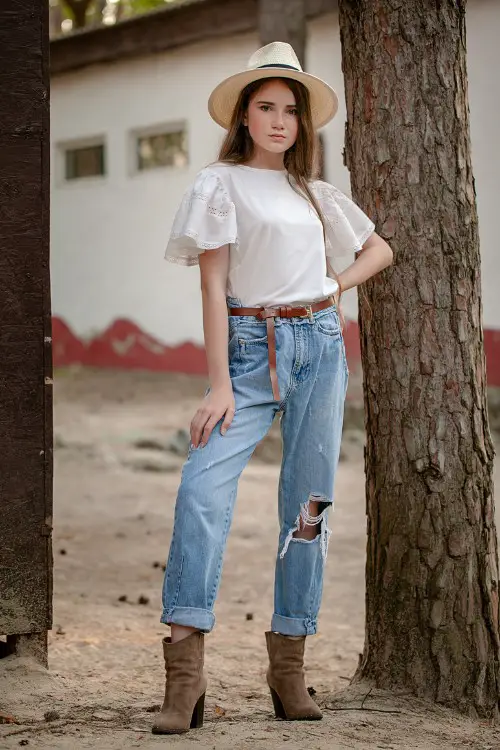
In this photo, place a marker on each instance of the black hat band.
(279, 65)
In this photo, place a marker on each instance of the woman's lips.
(277, 137)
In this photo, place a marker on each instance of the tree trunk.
(78, 10)
(283, 21)
(98, 12)
(432, 564)
(55, 20)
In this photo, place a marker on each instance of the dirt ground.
(114, 493)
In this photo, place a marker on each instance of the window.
(84, 161)
(167, 148)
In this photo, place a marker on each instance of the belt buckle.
(309, 313)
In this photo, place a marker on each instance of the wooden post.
(25, 331)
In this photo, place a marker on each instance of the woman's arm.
(373, 258)
(214, 268)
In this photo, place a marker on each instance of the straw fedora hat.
(275, 59)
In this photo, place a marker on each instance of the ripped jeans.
(312, 376)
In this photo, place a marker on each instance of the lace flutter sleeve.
(205, 220)
(347, 226)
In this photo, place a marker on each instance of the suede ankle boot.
(185, 686)
(285, 677)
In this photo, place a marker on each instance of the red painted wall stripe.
(124, 345)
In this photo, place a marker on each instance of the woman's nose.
(278, 120)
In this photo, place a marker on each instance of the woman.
(263, 232)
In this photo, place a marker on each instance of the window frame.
(172, 126)
(74, 144)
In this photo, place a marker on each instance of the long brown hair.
(302, 160)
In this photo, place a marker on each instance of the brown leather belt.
(279, 311)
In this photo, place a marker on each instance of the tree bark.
(432, 562)
(283, 21)
(55, 20)
(78, 10)
(98, 12)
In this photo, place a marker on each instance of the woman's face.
(271, 117)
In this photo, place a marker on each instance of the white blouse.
(277, 248)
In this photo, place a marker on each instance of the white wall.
(108, 235)
(483, 67)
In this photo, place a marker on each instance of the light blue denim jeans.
(312, 376)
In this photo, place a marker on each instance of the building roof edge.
(176, 25)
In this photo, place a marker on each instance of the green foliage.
(99, 11)
(142, 6)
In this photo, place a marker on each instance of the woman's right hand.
(218, 403)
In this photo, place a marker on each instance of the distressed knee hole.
(310, 524)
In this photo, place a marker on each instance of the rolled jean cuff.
(293, 625)
(191, 617)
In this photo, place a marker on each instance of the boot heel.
(279, 711)
(197, 718)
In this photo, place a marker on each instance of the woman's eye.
(266, 108)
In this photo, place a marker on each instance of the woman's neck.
(266, 160)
